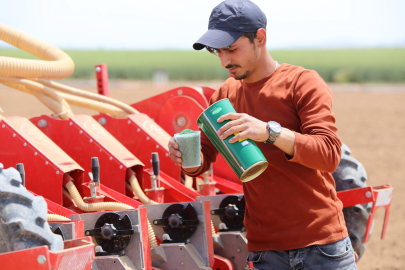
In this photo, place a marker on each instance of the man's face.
(240, 58)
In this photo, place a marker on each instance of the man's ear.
(261, 37)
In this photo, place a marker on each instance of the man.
(293, 217)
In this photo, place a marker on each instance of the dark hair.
(250, 35)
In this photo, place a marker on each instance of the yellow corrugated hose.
(114, 206)
(57, 65)
(55, 217)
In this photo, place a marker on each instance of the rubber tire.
(351, 174)
(23, 221)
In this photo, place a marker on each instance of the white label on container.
(245, 143)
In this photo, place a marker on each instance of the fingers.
(173, 143)
(229, 116)
(232, 130)
(240, 136)
(228, 126)
(174, 154)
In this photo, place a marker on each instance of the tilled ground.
(370, 122)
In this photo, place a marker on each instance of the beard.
(243, 76)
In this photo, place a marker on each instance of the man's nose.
(225, 60)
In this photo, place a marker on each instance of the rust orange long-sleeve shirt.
(293, 203)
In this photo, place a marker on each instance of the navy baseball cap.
(228, 21)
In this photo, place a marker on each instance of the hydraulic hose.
(54, 217)
(114, 206)
(57, 65)
(136, 188)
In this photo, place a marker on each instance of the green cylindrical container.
(244, 157)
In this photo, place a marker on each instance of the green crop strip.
(357, 65)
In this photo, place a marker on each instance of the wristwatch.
(274, 129)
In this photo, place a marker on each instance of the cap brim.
(217, 39)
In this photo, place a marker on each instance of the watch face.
(275, 127)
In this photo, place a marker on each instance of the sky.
(177, 24)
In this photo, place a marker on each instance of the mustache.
(231, 66)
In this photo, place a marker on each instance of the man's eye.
(229, 50)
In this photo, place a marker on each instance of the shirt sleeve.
(317, 146)
(208, 151)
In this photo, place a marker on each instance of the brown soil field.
(370, 119)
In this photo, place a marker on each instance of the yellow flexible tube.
(60, 108)
(152, 237)
(93, 105)
(136, 188)
(78, 92)
(114, 206)
(93, 207)
(57, 65)
(53, 217)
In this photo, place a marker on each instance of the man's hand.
(244, 124)
(175, 155)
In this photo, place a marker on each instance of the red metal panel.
(222, 263)
(356, 196)
(153, 106)
(208, 92)
(82, 138)
(142, 136)
(102, 80)
(76, 255)
(210, 243)
(143, 217)
(44, 162)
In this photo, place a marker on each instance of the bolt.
(102, 121)
(87, 233)
(41, 259)
(71, 123)
(35, 153)
(57, 172)
(80, 132)
(91, 141)
(14, 135)
(110, 158)
(98, 69)
(182, 263)
(129, 121)
(238, 250)
(46, 162)
(167, 154)
(120, 166)
(157, 146)
(42, 123)
(180, 92)
(368, 194)
(155, 222)
(3, 126)
(98, 249)
(147, 138)
(138, 130)
(25, 144)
